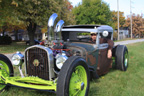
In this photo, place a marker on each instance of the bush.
(5, 40)
(115, 35)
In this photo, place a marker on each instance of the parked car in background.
(37, 42)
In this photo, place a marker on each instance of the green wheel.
(122, 57)
(73, 79)
(6, 69)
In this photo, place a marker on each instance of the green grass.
(14, 47)
(115, 83)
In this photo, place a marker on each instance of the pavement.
(116, 43)
(129, 42)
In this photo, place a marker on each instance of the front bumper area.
(29, 82)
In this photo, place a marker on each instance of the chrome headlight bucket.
(17, 59)
(60, 59)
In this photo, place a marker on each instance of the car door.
(103, 62)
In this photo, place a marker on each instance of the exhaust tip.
(52, 20)
(51, 23)
(58, 29)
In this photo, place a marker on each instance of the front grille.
(37, 63)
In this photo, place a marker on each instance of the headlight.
(60, 59)
(17, 59)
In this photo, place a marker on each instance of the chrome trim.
(99, 29)
(80, 30)
(51, 23)
(105, 28)
(97, 39)
(58, 29)
(21, 58)
(112, 36)
(20, 70)
(103, 46)
(50, 59)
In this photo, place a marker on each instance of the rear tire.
(7, 68)
(121, 57)
(74, 77)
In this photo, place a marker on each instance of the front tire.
(6, 68)
(121, 57)
(73, 79)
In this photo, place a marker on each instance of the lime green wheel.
(122, 57)
(6, 70)
(73, 79)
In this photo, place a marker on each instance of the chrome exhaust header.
(54, 32)
(51, 27)
(58, 29)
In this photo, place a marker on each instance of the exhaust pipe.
(58, 30)
(51, 23)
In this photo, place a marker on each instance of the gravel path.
(129, 42)
(116, 43)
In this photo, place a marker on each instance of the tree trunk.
(4, 29)
(4, 32)
(16, 35)
(31, 32)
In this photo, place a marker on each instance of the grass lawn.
(115, 83)
(14, 47)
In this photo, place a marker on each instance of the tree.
(28, 14)
(137, 25)
(37, 12)
(92, 12)
(121, 19)
(6, 11)
(64, 14)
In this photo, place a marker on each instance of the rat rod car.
(67, 63)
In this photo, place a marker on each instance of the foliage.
(9, 20)
(64, 13)
(92, 12)
(137, 25)
(115, 35)
(121, 19)
(28, 14)
(6, 11)
(84, 34)
(5, 40)
(37, 12)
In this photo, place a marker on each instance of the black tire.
(121, 57)
(65, 75)
(7, 62)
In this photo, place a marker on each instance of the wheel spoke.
(76, 93)
(5, 69)
(79, 74)
(78, 82)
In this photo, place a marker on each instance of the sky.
(124, 5)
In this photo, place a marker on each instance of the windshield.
(77, 36)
